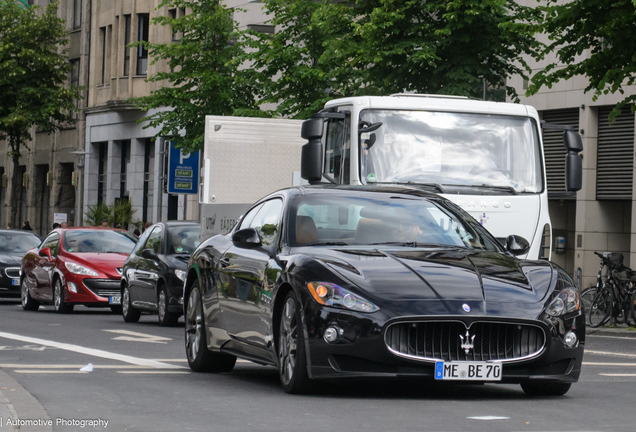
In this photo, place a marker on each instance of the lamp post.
(81, 156)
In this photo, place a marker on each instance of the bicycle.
(614, 295)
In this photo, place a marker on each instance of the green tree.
(203, 76)
(325, 49)
(590, 38)
(34, 69)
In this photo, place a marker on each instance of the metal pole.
(160, 178)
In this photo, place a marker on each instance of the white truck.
(487, 157)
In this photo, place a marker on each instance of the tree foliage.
(203, 76)
(326, 49)
(33, 74)
(591, 38)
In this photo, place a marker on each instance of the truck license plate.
(468, 371)
(114, 300)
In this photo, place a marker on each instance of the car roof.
(344, 189)
(179, 223)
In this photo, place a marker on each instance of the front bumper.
(361, 350)
(91, 291)
(10, 282)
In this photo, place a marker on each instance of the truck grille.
(442, 340)
(12, 272)
(103, 287)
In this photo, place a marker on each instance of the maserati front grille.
(451, 340)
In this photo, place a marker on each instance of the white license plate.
(15, 282)
(114, 300)
(468, 371)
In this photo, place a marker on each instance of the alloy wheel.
(24, 291)
(288, 341)
(58, 294)
(162, 305)
(125, 301)
(193, 325)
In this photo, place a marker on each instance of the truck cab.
(486, 157)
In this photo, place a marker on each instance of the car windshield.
(99, 241)
(463, 150)
(183, 240)
(381, 218)
(17, 243)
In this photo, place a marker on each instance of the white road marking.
(40, 371)
(173, 360)
(155, 372)
(138, 337)
(24, 348)
(610, 353)
(91, 352)
(617, 375)
(612, 337)
(54, 366)
(608, 364)
(488, 418)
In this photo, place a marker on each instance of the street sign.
(183, 171)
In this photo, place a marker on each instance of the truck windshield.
(451, 150)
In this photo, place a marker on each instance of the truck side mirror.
(573, 162)
(311, 156)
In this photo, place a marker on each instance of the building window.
(101, 172)
(126, 42)
(77, 14)
(125, 160)
(142, 51)
(75, 69)
(172, 13)
(102, 38)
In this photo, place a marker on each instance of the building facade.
(600, 216)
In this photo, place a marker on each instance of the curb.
(21, 406)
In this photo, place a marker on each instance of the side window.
(154, 241)
(249, 217)
(142, 241)
(337, 148)
(52, 242)
(267, 221)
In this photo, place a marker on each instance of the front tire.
(292, 359)
(130, 314)
(166, 318)
(545, 388)
(200, 358)
(28, 304)
(59, 304)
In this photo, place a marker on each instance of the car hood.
(10, 260)
(102, 262)
(440, 274)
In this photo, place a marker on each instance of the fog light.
(570, 340)
(332, 334)
(72, 287)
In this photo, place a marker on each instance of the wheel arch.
(279, 301)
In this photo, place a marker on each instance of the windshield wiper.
(405, 244)
(437, 186)
(327, 244)
(486, 186)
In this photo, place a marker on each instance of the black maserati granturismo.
(331, 282)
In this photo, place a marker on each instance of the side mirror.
(517, 245)
(311, 156)
(149, 254)
(573, 162)
(246, 238)
(45, 253)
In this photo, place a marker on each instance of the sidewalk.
(18, 404)
(617, 330)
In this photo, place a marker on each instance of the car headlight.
(181, 274)
(567, 301)
(80, 270)
(329, 294)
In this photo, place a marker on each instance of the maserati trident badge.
(466, 307)
(467, 342)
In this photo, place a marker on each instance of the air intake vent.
(615, 159)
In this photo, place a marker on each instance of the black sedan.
(154, 272)
(13, 245)
(330, 282)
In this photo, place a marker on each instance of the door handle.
(224, 262)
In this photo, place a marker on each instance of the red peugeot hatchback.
(76, 266)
